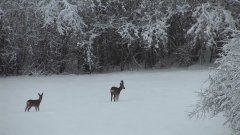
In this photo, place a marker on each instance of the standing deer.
(115, 91)
(34, 103)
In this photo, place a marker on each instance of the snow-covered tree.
(154, 23)
(148, 27)
(18, 33)
(178, 20)
(213, 25)
(62, 14)
(88, 58)
(90, 62)
(1, 13)
(222, 96)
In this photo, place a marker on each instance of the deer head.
(40, 96)
(122, 84)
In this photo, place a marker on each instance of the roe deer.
(34, 103)
(115, 91)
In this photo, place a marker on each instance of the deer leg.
(111, 96)
(29, 108)
(114, 97)
(26, 108)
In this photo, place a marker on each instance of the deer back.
(115, 90)
(34, 102)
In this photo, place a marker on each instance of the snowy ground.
(153, 103)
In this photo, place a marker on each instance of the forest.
(86, 36)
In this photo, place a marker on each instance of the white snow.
(153, 103)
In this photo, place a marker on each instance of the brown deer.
(34, 103)
(115, 91)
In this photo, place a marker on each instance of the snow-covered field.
(153, 103)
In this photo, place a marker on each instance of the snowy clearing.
(153, 103)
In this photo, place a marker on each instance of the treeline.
(72, 36)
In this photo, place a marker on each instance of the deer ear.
(42, 93)
(39, 94)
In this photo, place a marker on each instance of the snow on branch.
(128, 31)
(157, 30)
(63, 14)
(1, 14)
(211, 21)
(223, 93)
